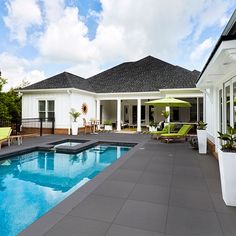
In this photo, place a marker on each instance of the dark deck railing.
(30, 125)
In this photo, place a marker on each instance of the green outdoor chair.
(165, 130)
(182, 133)
(5, 133)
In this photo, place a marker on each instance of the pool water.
(70, 144)
(33, 183)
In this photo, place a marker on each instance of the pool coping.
(55, 214)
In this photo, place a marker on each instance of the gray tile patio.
(161, 189)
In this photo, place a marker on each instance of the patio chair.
(165, 130)
(5, 133)
(182, 133)
(87, 126)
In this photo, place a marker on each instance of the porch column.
(138, 115)
(98, 111)
(198, 113)
(118, 114)
(168, 119)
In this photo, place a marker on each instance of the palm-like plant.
(229, 139)
(165, 114)
(75, 114)
(201, 125)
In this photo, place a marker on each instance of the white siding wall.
(63, 103)
(30, 107)
(77, 99)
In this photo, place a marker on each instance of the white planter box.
(152, 128)
(74, 127)
(227, 164)
(108, 127)
(202, 141)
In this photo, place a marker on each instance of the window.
(51, 113)
(46, 109)
(227, 105)
(42, 109)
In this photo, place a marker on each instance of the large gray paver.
(186, 222)
(155, 179)
(126, 175)
(118, 230)
(72, 226)
(150, 193)
(191, 199)
(143, 215)
(98, 207)
(115, 189)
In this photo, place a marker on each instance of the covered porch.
(133, 113)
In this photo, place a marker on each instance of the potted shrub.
(202, 137)
(227, 163)
(108, 125)
(74, 126)
(153, 126)
(165, 114)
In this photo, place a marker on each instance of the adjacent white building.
(218, 82)
(118, 94)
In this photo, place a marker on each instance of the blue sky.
(40, 38)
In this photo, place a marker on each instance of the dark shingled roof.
(146, 75)
(62, 80)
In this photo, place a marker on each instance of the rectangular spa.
(33, 183)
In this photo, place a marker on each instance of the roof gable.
(145, 75)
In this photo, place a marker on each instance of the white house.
(118, 94)
(218, 82)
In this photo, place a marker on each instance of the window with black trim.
(46, 109)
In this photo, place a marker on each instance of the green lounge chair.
(5, 133)
(182, 133)
(165, 130)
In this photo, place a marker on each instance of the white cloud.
(127, 30)
(22, 14)
(66, 39)
(199, 52)
(16, 70)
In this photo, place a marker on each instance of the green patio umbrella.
(169, 102)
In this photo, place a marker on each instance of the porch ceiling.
(222, 66)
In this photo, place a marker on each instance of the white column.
(146, 114)
(118, 114)
(98, 110)
(168, 119)
(198, 113)
(98, 113)
(138, 115)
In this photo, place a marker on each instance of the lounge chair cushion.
(181, 133)
(164, 130)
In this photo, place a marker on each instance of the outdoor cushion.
(5, 132)
(165, 130)
(181, 133)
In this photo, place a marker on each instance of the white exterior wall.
(76, 101)
(30, 107)
(64, 101)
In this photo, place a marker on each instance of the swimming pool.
(33, 183)
(68, 144)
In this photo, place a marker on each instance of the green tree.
(10, 103)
